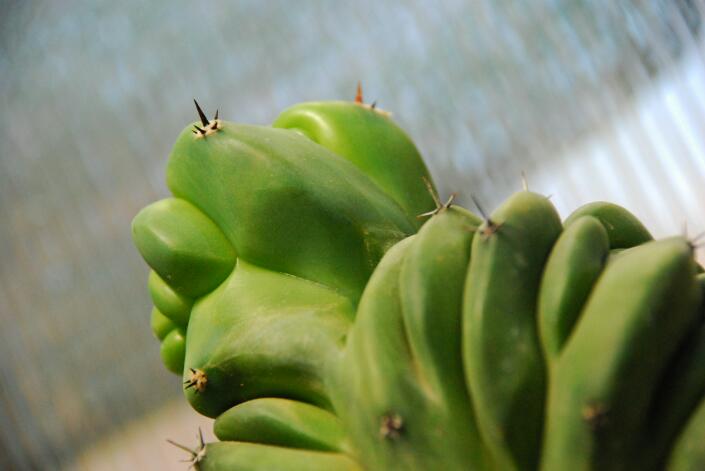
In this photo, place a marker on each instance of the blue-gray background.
(592, 99)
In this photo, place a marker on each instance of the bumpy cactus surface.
(326, 326)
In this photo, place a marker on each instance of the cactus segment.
(431, 284)
(376, 389)
(183, 246)
(282, 422)
(264, 334)
(431, 291)
(160, 324)
(677, 396)
(171, 304)
(502, 356)
(288, 204)
(395, 420)
(173, 350)
(575, 262)
(639, 312)
(623, 228)
(371, 141)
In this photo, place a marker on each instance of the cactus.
(323, 304)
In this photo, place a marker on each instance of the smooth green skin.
(639, 312)
(287, 204)
(431, 284)
(623, 228)
(161, 325)
(379, 378)
(403, 355)
(183, 246)
(372, 142)
(173, 350)
(688, 453)
(502, 357)
(575, 263)
(171, 304)
(264, 334)
(677, 396)
(615, 253)
(375, 366)
(283, 422)
(238, 456)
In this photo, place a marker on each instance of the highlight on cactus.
(332, 312)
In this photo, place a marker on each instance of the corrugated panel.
(592, 99)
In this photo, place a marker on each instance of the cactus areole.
(331, 312)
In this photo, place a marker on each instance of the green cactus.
(366, 136)
(503, 363)
(575, 262)
(639, 313)
(282, 422)
(624, 230)
(327, 327)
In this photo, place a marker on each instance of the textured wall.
(593, 99)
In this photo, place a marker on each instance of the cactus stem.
(391, 426)
(201, 114)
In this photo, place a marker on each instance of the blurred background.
(593, 100)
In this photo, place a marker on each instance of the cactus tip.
(201, 114)
(524, 183)
(358, 95)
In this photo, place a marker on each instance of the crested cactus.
(323, 304)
